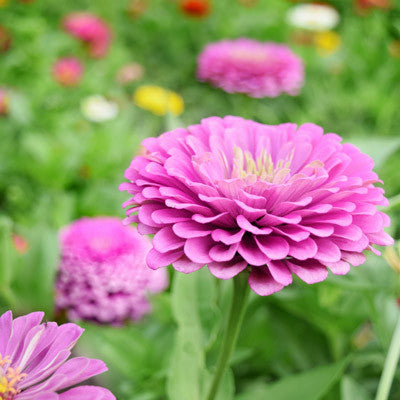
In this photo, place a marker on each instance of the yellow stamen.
(263, 167)
(9, 380)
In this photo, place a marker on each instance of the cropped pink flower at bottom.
(34, 365)
(234, 194)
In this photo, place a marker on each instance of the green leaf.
(187, 363)
(351, 390)
(310, 385)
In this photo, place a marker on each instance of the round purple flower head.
(103, 275)
(255, 68)
(33, 361)
(280, 200)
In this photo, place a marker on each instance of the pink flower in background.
(20, 244)
(68, 71)
(103, 275)
(90, 29)
(235, 194)
(4, 102)
(34, 365)
(255, 68)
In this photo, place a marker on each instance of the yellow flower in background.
(158, 100)
(3, 3)
(392, 256)
(327, 42)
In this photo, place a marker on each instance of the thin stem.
(235, 319)
(389, 368)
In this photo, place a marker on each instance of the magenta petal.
(280, 272)
(327, 250)
(221, 252)
(165, 240)
(227, 237)
(302, 250)
(339, 268)
(156, 260)
(274, 247)
(310, 271)
(190, 229)
(262, 283)
(381, 238)
(355, 259)
(246, 225)
(186, 265)
(86, 393)
(250, 251)
(197, 249)
(5, 329)
(226, 270)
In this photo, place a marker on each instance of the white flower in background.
(313, 17)
(97, 108)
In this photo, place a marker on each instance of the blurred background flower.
(102, 275)
(90, 29)
(158, 100)
(68, 71)
(4, 102)
(129, 73)
(258, 69)
(5, 39)
(195, 8)
(313, 17)
(97, 108)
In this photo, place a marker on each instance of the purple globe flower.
(33, 361)
(236, 194)
(258, 69)
(103, 276)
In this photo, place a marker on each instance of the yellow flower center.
(9, 379)
(263, 167)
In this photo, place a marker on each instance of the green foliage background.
(326, 341)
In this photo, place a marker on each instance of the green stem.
(235, 319)
(389, 368)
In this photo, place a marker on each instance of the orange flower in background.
(5, 39)
(20, 244)
(195, 8)
(68, 71)
(4, 102)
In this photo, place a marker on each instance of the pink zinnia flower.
(33, 361)
(90, 29)
(103, 275)
(68, 71)
(236, 194)
(254, 68)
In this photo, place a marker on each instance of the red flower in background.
(195, 8)
(91, 30)
(363, 6)
(67, 71)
